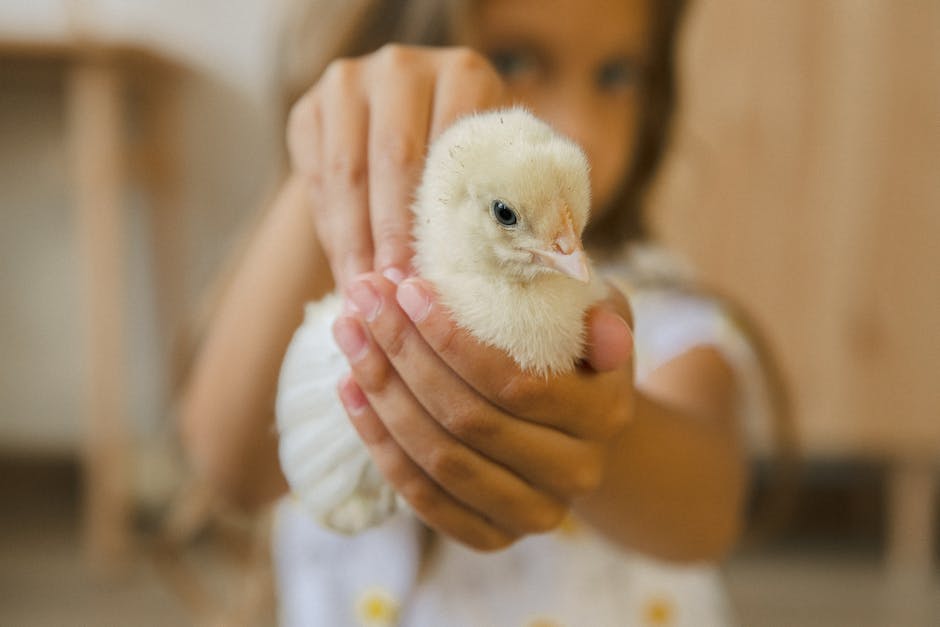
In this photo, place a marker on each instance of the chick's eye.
(503, 214)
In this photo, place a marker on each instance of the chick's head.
(504, 193)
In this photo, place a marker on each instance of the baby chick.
(498, 221)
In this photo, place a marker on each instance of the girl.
(648, 463)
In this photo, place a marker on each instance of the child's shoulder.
(644, 266)
(673, 313)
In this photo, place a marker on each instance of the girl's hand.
(482, 451)
(358, 138)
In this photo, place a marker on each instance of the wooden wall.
(805, 182)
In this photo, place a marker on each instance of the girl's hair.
(319, 31)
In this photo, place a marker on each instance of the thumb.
(609, 333)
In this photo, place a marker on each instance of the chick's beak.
(565, 254)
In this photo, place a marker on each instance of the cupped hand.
(482, 451)
(358, 140)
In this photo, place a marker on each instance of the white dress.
(571, 577)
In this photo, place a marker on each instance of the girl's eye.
(512, 64)
(618, 74)
(503, 214)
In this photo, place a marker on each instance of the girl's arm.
(675, 476)
(227, 413)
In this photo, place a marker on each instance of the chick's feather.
(486, 274)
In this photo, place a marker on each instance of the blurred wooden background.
(805, 183)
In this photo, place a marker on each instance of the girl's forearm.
(227, 413)
(674, 487)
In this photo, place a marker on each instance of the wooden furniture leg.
(95, 120)
(160, 154)
(912, 517)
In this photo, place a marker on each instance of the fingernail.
(365, 298)
(414, 301)
(353, 267)
(394, 275)
(620, 321)
(624, 323)
(351, 395)
(350, 338)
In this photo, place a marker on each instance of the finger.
(343, 219)
(434, 506)
(304, 135)
(475, 481)
(466, 83)
(609, 337)
(554, 401)
(544, 457)
(399, 118)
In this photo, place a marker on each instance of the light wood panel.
(805, 182)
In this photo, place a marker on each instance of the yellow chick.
(498, 221)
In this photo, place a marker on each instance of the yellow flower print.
(376, 607)
(658, 612)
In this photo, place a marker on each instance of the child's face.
(574, 63)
